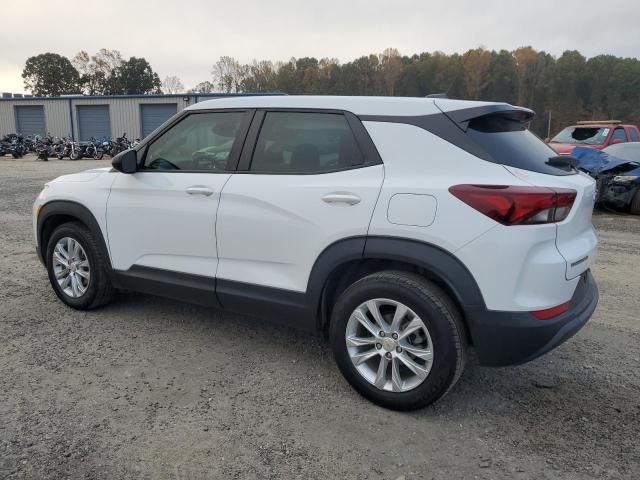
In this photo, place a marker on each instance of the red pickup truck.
(593, 134)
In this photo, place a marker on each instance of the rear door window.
(634, 135)
(301, 142)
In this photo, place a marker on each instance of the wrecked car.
(617, 173)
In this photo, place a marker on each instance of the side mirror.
(126, 162)
(547, 140)
(616, 141)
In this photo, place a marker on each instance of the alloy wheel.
(71, 267)
(389, 345)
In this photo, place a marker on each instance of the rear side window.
(619, 134)
(508, 142)
(301, 142)
(634, 135)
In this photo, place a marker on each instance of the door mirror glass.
(126, 162)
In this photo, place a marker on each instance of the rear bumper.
(511, 338)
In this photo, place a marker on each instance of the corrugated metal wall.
(56, 115)
(125, 113)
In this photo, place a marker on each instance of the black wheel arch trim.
(440, 263)
(68, 209)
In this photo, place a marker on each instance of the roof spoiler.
(518, 117)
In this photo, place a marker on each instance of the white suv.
(405, 229)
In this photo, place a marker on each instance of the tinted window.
(293, 142)
(582, 135)
(517, 148)
(634, 135)
(619, 134)
(200, 142)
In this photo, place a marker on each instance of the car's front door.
(305, 181)
(163, 216)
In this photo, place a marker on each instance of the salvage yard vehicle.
(596, 134)
(406, 230)
(617, 172)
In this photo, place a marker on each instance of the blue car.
(617, 172)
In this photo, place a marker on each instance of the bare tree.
(391, 68)
(476, 64)
(228, 74)
(172, 84)
(96, 70)
(203, 87)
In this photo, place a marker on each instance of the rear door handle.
(339, 197)
(206, 191)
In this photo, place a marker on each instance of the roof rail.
(594, 122)
(437, 95)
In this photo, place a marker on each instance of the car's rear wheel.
(398, 339)
(77, 268)
(634, 207)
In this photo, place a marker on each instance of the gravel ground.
(152, 388)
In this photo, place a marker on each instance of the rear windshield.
(515, 146)
(582, 136)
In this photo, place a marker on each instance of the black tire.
(634, 207)
(439, 314)
(98, 155)
(99, 291)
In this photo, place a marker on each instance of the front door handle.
(206, 191)
(340, 197)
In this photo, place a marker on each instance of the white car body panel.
(90, 188)
(154, 222)
(271, 228)
(428, 165)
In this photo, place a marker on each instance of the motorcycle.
(105, 145)
(13, 144)
(121, 144)
(92, 149)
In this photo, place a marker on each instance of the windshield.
(582, 135)
(625, 151)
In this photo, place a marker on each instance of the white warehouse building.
(82, 117)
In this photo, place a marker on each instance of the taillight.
(516, 205)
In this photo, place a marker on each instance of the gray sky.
(185, 38)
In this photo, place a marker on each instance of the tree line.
(568, 88)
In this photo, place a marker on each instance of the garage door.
(155, 115)
(30, 120)
(93, 121)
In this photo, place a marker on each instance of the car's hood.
(596, 161)
(85, 176)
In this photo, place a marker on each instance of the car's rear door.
(163, 216)
(306, 180)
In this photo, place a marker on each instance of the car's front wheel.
(398, 339)
(77, 268)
